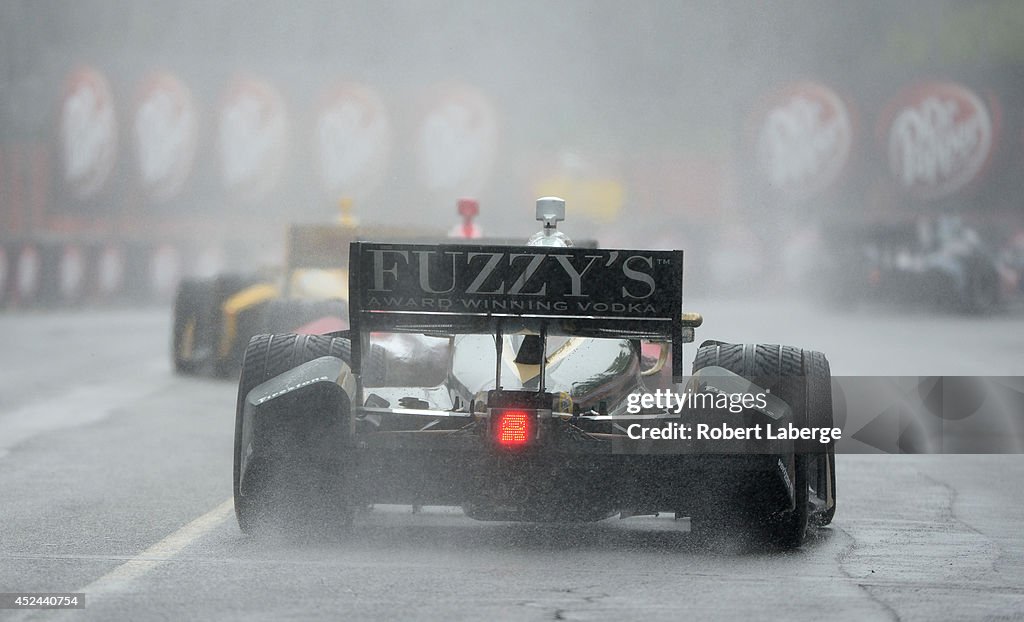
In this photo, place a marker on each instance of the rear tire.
(802, 379)
(821, 466)
(291, 491)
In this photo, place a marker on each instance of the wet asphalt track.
(114, 476)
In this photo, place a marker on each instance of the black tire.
(294, 492)
(821, 466)
(276, 316)
(802, 379)
(191, 341)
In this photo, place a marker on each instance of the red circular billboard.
(456, 141)
(252, 128)
(803, 139)
(351, 141)
(938, 136)
(164, 132)
(88, 132)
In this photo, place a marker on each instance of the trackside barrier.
(53, 273)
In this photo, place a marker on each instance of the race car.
(215, 318)
(509, 380)
(938, 262)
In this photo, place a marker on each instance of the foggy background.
(180, 138)
(142, 143)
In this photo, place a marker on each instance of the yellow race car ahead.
(214, 318)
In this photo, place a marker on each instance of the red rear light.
(514, 427)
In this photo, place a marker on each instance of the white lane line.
(163, 551)
(120, 579)
(82, 406)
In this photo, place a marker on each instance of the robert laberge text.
(725, 432)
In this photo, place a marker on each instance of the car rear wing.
(449, 289)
